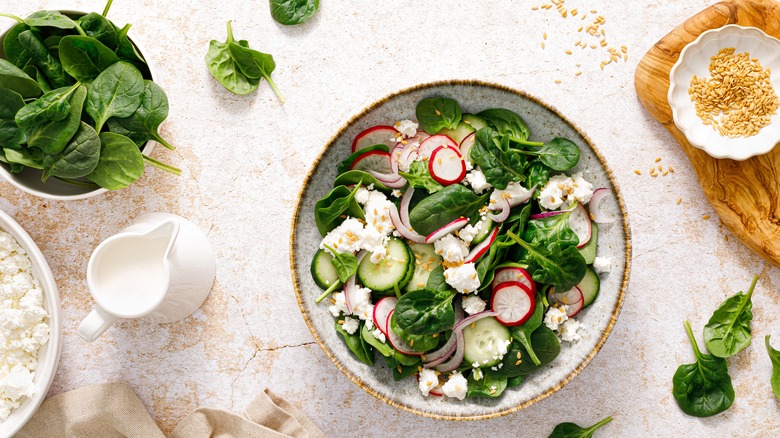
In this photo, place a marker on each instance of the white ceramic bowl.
(29, 180)
(49, 354)
(695, 60)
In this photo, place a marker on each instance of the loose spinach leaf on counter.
(78, 159)
(774, 356)
(425, 311)
(437, 113)
(85, 58)
(255, 64)
(421, 343)
(14, 79)
(523, 333)
(121, 162)
(291, 12)
(728, 330)
(444, 206)
(100, 28)
(554, 264)
(51, 107)
(117, 92)
(357, 345)
(44, 60)
(703, 388)
(52, 137)
(10, 134)
(506, 123)
(144, 123)
(346, 264)
(571, 430)
(489, 385)
(340, 200)
(419, 177)
(500, 164)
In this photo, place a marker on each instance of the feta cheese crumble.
(456, 386)
(451, 248)
(379, 335)
(555, 316)
(463, 278)
(602, 265)
(476, 179)
(568, 330)
(515, 193)
(350, 325)
(24, 325)
(468, 232)
(339, 306)
(406, 127)
(561, 188)
(473, 304)
(429, 379)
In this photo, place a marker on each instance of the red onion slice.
(457, 358)
(503, 215)
(390, 180)
(402, 229)
(473, 318)
(596, 212)
(451, 227)
(404, 212)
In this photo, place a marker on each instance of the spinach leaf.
(144, 123)
(117, 92)
(340, 201)
(49, 19)
(774, 356)
(100, 28)
(10, 134)
(346, 264)
(85, 58)
(291, 12)
(255, 65)
(523, 333)
(52, 137)
(538, 175)
(25, 156)
(357, 345)
(436, 280)
(78, 159)
(571, 430)
(703, 388)
(401, 371)
(513, 382)
(728, 330)
(14, 79)
(421, 343)
(444, 206)
(500, 164)
(557, 265)
(545, 345)
(351, 177)
(551, 229)
(437, 113)
(121, 162)
(559, 154)
(41, 57)
(507, 123)
(347, 163)
(489, 385)
(51, 107)
(35, 73)
(386, 350)
(14, 52)
(425, 311)
(419, 177)
(126, 49)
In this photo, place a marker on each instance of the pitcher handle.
(95, 324)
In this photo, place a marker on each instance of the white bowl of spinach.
(78, 106)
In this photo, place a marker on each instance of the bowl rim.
(356, 379)
(44, 375)
(673, 86)
(11, 179)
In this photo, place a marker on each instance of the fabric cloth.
(113, 410)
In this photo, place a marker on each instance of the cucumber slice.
(588, 251)
(322, 269)
(482, 342)
(484, 232)
(425, 261)
(474, 121)
(395, 269)
(589, 286)
(459, 133)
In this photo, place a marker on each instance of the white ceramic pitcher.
(160, 269)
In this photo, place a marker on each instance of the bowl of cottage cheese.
(30, 327)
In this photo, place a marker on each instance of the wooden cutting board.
(745, 194)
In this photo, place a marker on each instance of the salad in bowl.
(457, 251)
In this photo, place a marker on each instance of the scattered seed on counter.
(679, 201)
(705, 217)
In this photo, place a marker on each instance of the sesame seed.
(637, 171)
(705, 217)
(658, 159)
(679, 200)
(544, 35)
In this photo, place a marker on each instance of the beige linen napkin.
(113, 410)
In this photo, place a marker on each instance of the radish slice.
(377, 161)
(402, 229)
(394, 181)
(479, 250)
(459, 326)
(404, 207)
(513, 302)
(396, 341)
(596, 212)
(572, 298)
(382, 309)
(435, 391)
(579, 222)
(349, 286)
(503, 215)
(447, 229)
(465, 147)
(457, 358)
(432, 143)
(446, 166)
(513, 274)
(574, 308)
(381, 134)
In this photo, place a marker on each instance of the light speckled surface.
(244, 159)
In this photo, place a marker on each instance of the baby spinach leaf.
(500, 164)
(538, 175)
(523, 333)
(437, 113)
(29, 157)
(144, 123)
(419, 177)
(52, 137)
(255, 65)
(513, 382)
(291, 12)
(703, 388)
(225, 69)
(551, 229)
(518, 360)
(85, 58)
(507, 123)
(340, 201)
(401, 371)
(49, 19)
(347, 163)
(571, 430)
(425, 311)
(100, 28)
(385, 349)
(444, 206)
(728, 330)
(33, 72)
(117, 92)
(436, 280)
(554, 264)
(78, 159)
(357, 345)
(10, 134)
(420, 343)
(346, 264)
(126, 49)
(351, 177)
(774, 356)
(51, 107)
(41, 57)
(120, 163)
(559, 154)
(14, 79)
(489, 385)
(14, 52)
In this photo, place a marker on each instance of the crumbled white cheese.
(350, 325)
(428, 380)
(451, 248)
(463, 278)
(468, 232)
(561, 188)
(476, 179)
(379, 335)
(568, 330)
(339, 306)
(555, 316)
(361, 303)
(23, 325)
(397, 193)
(456, 386)
(362, 195)
(407, 127)
(515, 193)
(602, 265)
(345, 237)
(473, 304)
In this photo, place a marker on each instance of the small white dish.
(695, 60)
(49, 353)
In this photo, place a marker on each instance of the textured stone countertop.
(244, 159)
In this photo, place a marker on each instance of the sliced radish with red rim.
(450, 228)
(479, 250)
(465, 147)
(382, 310)
(376, 161)
(512, 273)
(446, 166)
(381, 134)
(513, 303)
(579, 222)
(397, 342)
(572, 299)
(597, 210)
(432, 143)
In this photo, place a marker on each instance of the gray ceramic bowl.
(614, 241)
